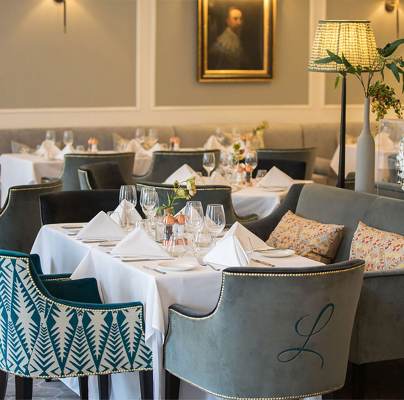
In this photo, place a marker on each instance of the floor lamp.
(350, 39)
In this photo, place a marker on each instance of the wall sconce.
(390, 5)
(394, 6)
(64, 13)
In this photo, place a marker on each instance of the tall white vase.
(365, 155)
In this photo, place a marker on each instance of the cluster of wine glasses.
(204, 229)
(68, 137)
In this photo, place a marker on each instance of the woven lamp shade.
(354, 39)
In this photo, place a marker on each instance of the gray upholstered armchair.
(275, 333)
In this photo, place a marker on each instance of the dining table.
(381, 161)
(28, 168)
(123, 280)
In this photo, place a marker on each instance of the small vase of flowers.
(184, 190)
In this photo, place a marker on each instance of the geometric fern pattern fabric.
(40, 337)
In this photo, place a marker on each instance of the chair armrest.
(47, 179)
(54, 277)
(264, 227)
(186, 311)
(247, 218)
(379, 324)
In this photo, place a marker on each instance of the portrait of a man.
(235, 39)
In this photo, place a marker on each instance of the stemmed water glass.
(209, 162)
(128, 193)
(139, 135)
(149, 201)
(215, 219)
(68, 138)
(50, 135)
(251, 161)
(153, 137)
(193, 217)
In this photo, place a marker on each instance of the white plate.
(177, 265)
(274, 188)
(278, 253)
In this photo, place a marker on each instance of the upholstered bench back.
(35, 136)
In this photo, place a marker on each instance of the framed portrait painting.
(235, 40)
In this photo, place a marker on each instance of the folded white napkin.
(275, 177)
(68, 149)
(48, 149)
(101, 227)
(139, 244)
(228, 252)
(247, 239)
(217, 179)
(383, 142)
(213, 144)
(125, 211)
(181, 174)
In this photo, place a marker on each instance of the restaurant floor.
(378, 381)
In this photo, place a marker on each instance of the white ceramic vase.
(365, 155)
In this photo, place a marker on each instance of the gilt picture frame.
(235, 40)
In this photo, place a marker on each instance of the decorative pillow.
(381, 250)
(119, 142)
(307, 238)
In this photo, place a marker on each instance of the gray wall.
(93, 65)
(176, 70)
(385, 30)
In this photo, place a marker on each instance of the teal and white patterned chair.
(55, 327)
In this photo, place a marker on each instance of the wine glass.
(215, 219)
(201, 245)
(149, 201)
(153, 136)
(193, 216)
(50, 135)
(68, 138)
(251, 161)
(128, 193)
(209, 162)
(139, 135)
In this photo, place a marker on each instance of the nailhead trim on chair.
(137, 308)
(299, 396)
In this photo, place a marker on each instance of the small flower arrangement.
(263, 125)
(238, 153)
(93, 144)
(180, 193)
(174, 142)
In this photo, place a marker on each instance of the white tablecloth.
(255, 200)
(381, 161)
(25, 169)
(125, 282)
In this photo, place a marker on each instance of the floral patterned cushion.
(381, 250)
(307, 238)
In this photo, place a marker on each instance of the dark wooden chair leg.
(83, 385)
(3, 384)
(358, 381)
(23, 388)
(146, 385)
(172, 387)
(103, 387)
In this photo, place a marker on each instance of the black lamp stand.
(341, 164)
